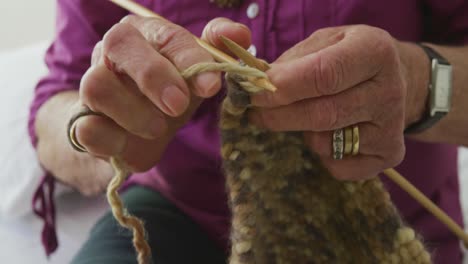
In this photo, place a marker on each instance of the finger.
(326, 113)
(103, 92)
(103, 138)
(155, 76)
(180, 48)
(354, 168)
(96, 56)
(353, 60)
(236, 32)
(100, 136)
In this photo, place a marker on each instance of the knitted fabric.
(287, 208)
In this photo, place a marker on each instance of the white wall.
(23, 22)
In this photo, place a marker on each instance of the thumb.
(236, 32)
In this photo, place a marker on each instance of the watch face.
(442, 88)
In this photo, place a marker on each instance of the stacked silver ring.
(338, 144)
(345, 142)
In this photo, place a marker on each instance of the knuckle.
(130, 19)
(328, 75)
(114, 38)
(383, 45)
(171, 38)
(92, 92)
(178, 45)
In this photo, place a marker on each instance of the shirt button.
(252, 10)
(253, 50)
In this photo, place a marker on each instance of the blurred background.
(26, 30)
(24, 22)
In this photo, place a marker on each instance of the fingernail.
(208, 83)
(175, 100)
(239, 25)
(221, 26)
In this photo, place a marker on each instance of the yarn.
(121, 214)
(286, 206)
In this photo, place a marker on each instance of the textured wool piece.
(286, 207)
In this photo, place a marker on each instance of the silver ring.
(338, 144)
(71, 128)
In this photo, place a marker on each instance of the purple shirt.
(189, 173)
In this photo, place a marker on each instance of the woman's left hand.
(336, 78)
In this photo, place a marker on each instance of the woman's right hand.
(135, 82)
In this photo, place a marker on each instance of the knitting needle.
(244, 55)
(391, 173)
(218, 55)
(428, 204)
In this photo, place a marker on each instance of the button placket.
(255, 12)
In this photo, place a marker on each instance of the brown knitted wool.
(287, 208)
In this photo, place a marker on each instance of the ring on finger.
(338, 144)
(348, 141)
(355, 143)
(71, 128)
(345, 142)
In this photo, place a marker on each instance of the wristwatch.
(440, 92)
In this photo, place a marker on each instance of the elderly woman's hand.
(135, 82)
(336, 78)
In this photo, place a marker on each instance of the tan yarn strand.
(122, 172)
(121, 214)
(224, 67)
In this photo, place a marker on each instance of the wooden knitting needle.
(244, 55)
(428, 204)
(218, 55)
(391, 173)
(261, 65)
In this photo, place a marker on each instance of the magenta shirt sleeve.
(80, 25)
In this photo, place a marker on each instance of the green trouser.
(174, 238)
